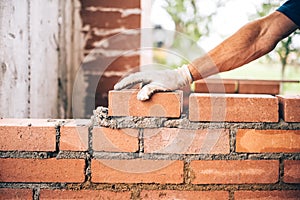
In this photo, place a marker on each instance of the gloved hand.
(153, 81)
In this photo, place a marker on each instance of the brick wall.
(226, 151)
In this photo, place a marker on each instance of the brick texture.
(234, 171)
(171, 194)
(27, 135)
(180, 141)
(215, 86)
(259, 87)
(137, 171)
(164, 104)
(38, 170)
(74, 136)
(266, 195)
(111, 4)
(289, 107)
(115, 140)
(260, 141)
(291, 171)
(83, 194)
(16, 194)
(233, 108)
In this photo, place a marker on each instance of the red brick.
(137, 171)
(83, 194)
(289, 107)
(6, 193)
(291, 171)
(259, 87)
(42, 170)
(27, 135)
(180, 141)
(115, 140)
(163, 104)
(74, 136)
(234, 171)
(215, 86)
(111, 4)
(233, 108)
(267, 195)
(109, 20)
(259, 141)
(171, 194)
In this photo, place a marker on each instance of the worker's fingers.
(131, 80)
(146, 92)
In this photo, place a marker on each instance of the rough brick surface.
(266, 195)
(259, 87)
(215, 86)
(38, 170)
(137, 171)
(27, 135)
(83, 194)
(260, 141)
(115, 140)
(292, 171)
(171, 194)
(235, 171)
(180, 141)
(111, 4)
(16, 194)
(74, 136)
(289, 107)
(164, 104)
(233, 108)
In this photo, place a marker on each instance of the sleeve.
(291, 9)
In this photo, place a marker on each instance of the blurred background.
(59, 58)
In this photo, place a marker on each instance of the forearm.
(252, 41)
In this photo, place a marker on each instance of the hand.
(154, 81)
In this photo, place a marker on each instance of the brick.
(42, 170)
(234, 171)
(137, 171)
(83, 194)
(16, 194)
(111, 4)
(109, 20)
(115, 140)
(233, 107)
(215, 86)
(171, 194)
(74, 136)
(27, 135)
(163, 104)
(180, 141)
(289, 107)
(291, 171)
(262, 141)
(259, 87)
(266, 195)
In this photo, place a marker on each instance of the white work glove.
(154, 81)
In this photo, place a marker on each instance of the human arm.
(250, 42)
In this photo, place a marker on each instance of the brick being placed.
(233, 107)
(163, 104)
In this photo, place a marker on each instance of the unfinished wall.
(150, 157)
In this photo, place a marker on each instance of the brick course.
(215, 86)
(289, 107)
(274, 195)
(258, 87)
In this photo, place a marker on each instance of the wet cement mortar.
(100, 118)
